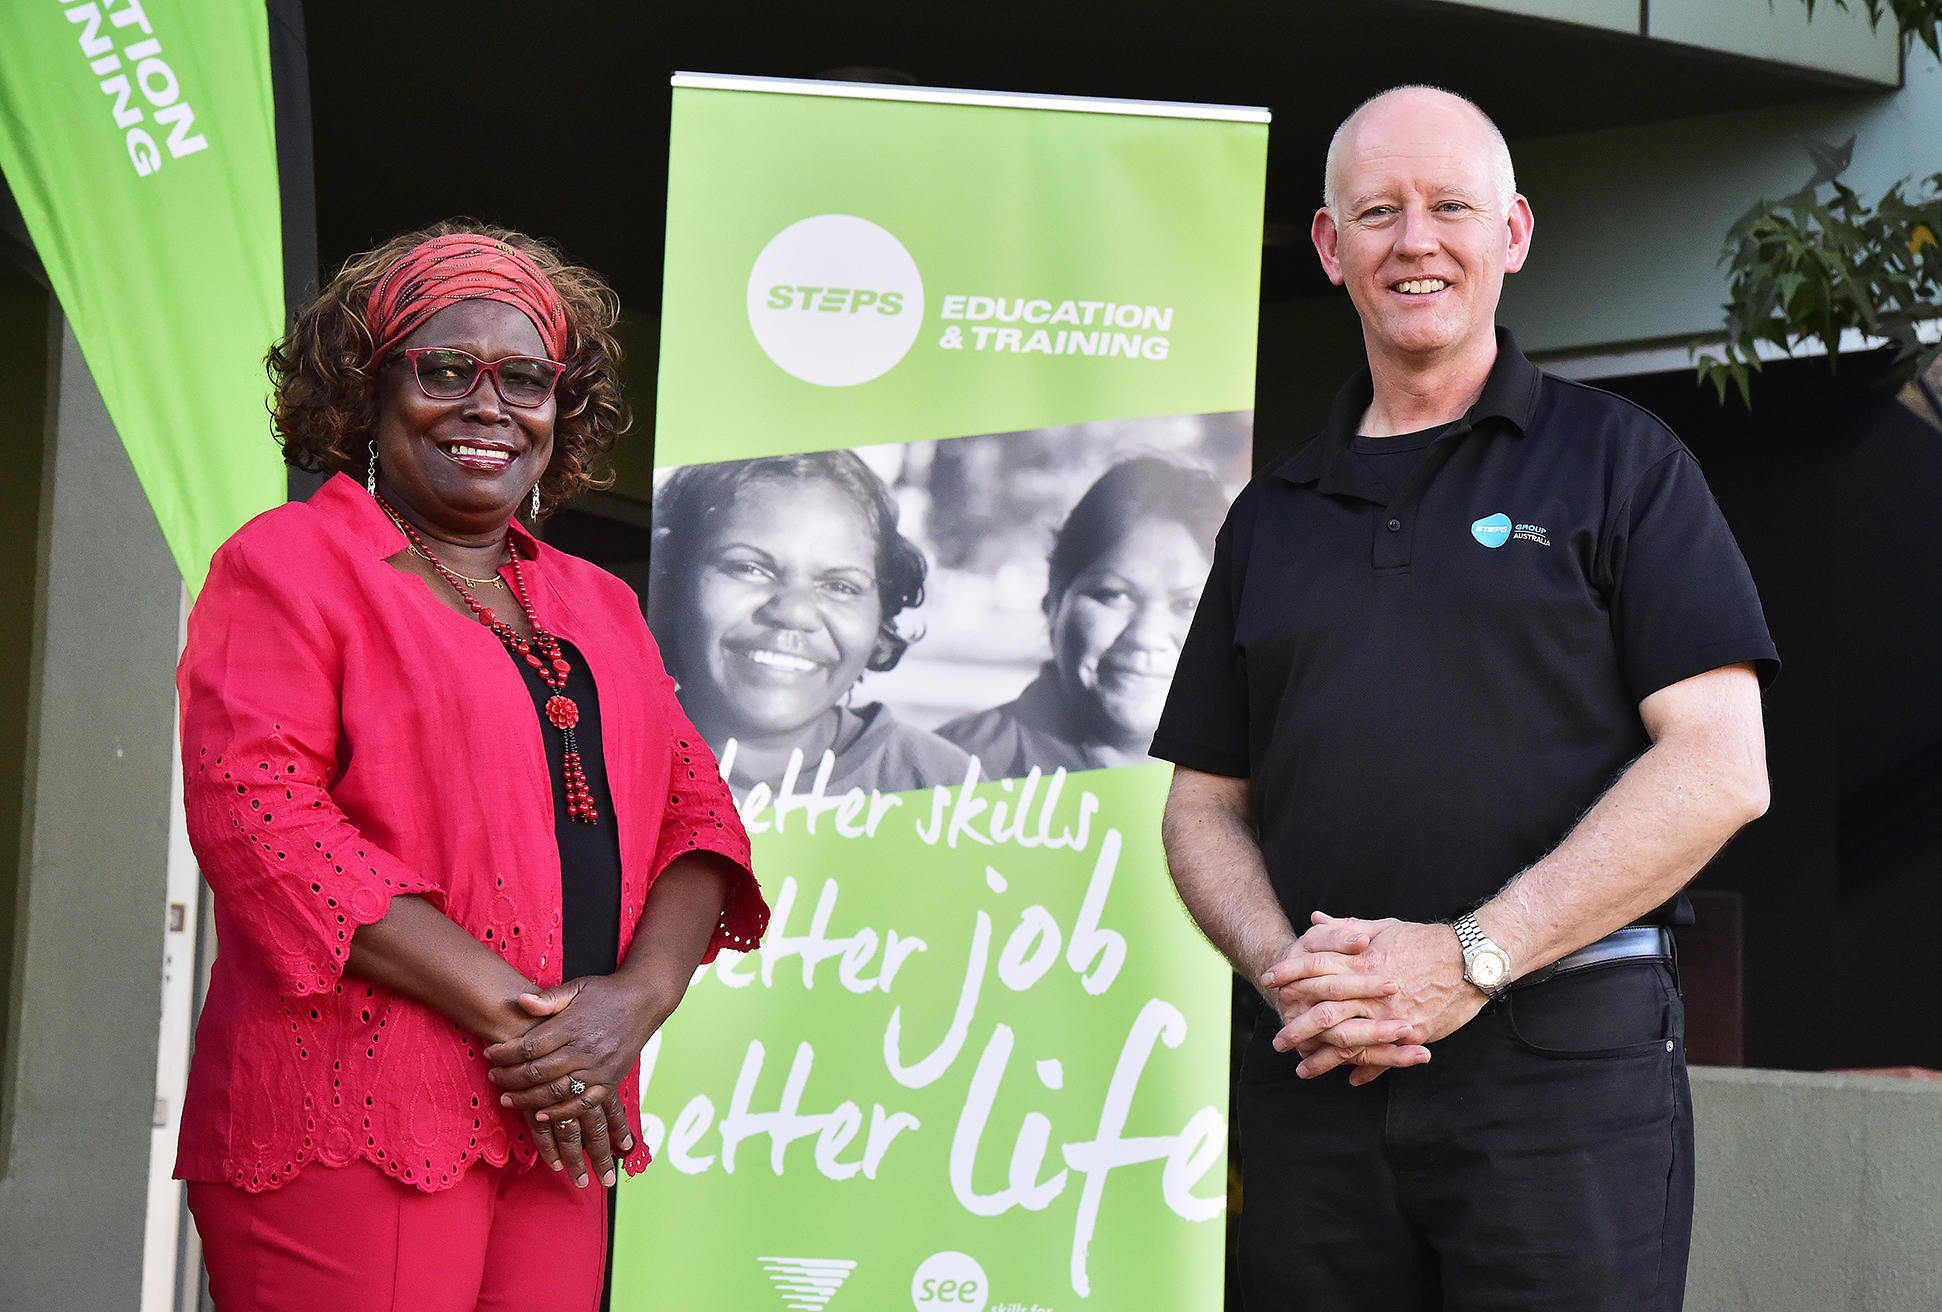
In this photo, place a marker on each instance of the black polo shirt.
(1427, 689)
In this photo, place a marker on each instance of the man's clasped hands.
(1368, 993)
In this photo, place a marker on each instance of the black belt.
(1633, 943)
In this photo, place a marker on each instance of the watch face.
(1487, 969)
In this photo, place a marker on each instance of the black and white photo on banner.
(875, 617)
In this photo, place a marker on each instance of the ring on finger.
(564, 1123)
(575, 1085)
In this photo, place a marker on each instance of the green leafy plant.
(1813, 264)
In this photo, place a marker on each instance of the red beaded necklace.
(561, 711)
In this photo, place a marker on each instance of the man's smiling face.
(1422, 235)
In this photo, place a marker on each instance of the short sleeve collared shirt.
(1426, 688)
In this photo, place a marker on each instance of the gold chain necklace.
(439, 565)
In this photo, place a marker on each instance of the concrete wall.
(1817, 1193)
(1838, 42)
(1612, 15)
(1630, 222)
(91, 883)
(24, 325)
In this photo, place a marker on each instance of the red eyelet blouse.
(347, 738)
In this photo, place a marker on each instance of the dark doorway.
(1833, 485)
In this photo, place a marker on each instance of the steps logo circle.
(951, 1281)
(835, 300)
(1492, 530)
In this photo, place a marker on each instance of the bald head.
(1418, 109)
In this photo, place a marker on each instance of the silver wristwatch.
(1484, 963)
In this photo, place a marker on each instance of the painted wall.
(1837, 42)
(1816, 1192)
(24, 325)
(1630, 222)
(1840, 42)
(91, 881)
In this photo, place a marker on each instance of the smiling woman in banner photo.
(778, 583)
(1123, 579)
(466, 850)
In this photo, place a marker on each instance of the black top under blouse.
(589, 854)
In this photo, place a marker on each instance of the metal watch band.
(1472, 940)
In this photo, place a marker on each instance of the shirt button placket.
(1392, 542)
(1395, 540)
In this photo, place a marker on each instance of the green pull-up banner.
(138, 138)
(954, 391)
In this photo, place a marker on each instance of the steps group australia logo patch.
(1492, 530)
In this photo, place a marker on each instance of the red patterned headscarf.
(461, 266)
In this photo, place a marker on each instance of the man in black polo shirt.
(1474, 689)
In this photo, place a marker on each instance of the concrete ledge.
(1816, 1192)
(1612, 15)
(1840, 42)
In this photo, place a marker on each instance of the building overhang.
(584, 88)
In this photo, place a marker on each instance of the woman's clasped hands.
(564, 1073)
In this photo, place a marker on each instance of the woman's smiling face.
(786, 610)
(462, 465)
(1118, 628)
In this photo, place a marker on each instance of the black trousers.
(1542, 1159)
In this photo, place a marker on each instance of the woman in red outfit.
(466, 850)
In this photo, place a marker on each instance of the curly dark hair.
(325, 407)
(695, 494)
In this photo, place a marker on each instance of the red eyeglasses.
(445, 373)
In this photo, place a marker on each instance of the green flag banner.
(954, 390)
(138, 137)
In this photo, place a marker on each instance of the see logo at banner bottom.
(949, 1280)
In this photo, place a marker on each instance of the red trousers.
(352, 1239)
